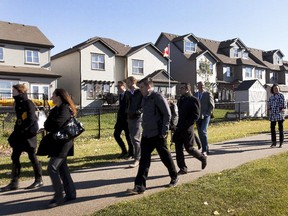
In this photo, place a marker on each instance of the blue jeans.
(202, 126)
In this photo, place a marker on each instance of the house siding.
(152, 61)
(15, 55)
(69, 67)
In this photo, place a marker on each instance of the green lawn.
(257, 188)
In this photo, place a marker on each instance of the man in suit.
(207, 107)
(189, 111)
(122, 124)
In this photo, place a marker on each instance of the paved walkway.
(102, 186)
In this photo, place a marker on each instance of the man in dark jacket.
(121, 123)
(189, 111)
(134, 116)
(155, 124)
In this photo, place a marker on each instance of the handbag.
(71, 129)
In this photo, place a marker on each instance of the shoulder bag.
(71, 129)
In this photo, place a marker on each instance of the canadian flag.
(166, 52)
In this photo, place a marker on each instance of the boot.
(14, 184)
(38, 177)
(197, 154)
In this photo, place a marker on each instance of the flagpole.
(169, 89)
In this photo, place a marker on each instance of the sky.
(260, 24)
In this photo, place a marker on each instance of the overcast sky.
(260, 24)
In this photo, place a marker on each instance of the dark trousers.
(59, 173)
(273, 131)
(147, 147)
(185, 140)
(16, 153)
(122, 125)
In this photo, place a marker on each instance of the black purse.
(71, 129)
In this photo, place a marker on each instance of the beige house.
(91, 69)
(25, 58)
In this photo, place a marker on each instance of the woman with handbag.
(59, 149)
(23, 138)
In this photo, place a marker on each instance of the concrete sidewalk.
(102, 186)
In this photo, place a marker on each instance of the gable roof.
(13, 33)
(215, 47)
(246, 85)
(161, 76)
(118, 48)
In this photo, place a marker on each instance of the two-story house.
(91, 69)
(233, 63)
(25, 58)
(190, 60)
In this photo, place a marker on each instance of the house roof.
(215, 47)
(161, 76)
(13, 33)
(27, 71)
(118, 48)
(245, 85)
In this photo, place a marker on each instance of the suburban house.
(25, 58)
(231, 62)
(91, 70)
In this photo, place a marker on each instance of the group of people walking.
(24, 139)
(145, 117)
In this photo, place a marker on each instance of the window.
(273, 77)
(227, 72)
(278, 60)
(137, 66)
(6, 88)
(39, 91)
(97, 61)
(235, 53)
(1, 54)
(258, 73)
(190, 46)
(32, 56)
(248, 72)
(245, 55)
(96, 90)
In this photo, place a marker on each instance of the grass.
(256, 188)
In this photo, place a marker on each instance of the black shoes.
(173, 182)
(14, 185)
(182, 172)
(135, 191)
(204, 162)
(55, 202)
(36, 184)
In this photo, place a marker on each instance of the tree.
(205, 72)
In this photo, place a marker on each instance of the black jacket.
(49, 145)
(189, 112)
(133, 104)
(26, 126)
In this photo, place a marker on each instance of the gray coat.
(206, 102)
(156, 115)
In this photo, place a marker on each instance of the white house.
(91, 69)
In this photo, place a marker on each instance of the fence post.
(239, 111)
(99, 125)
